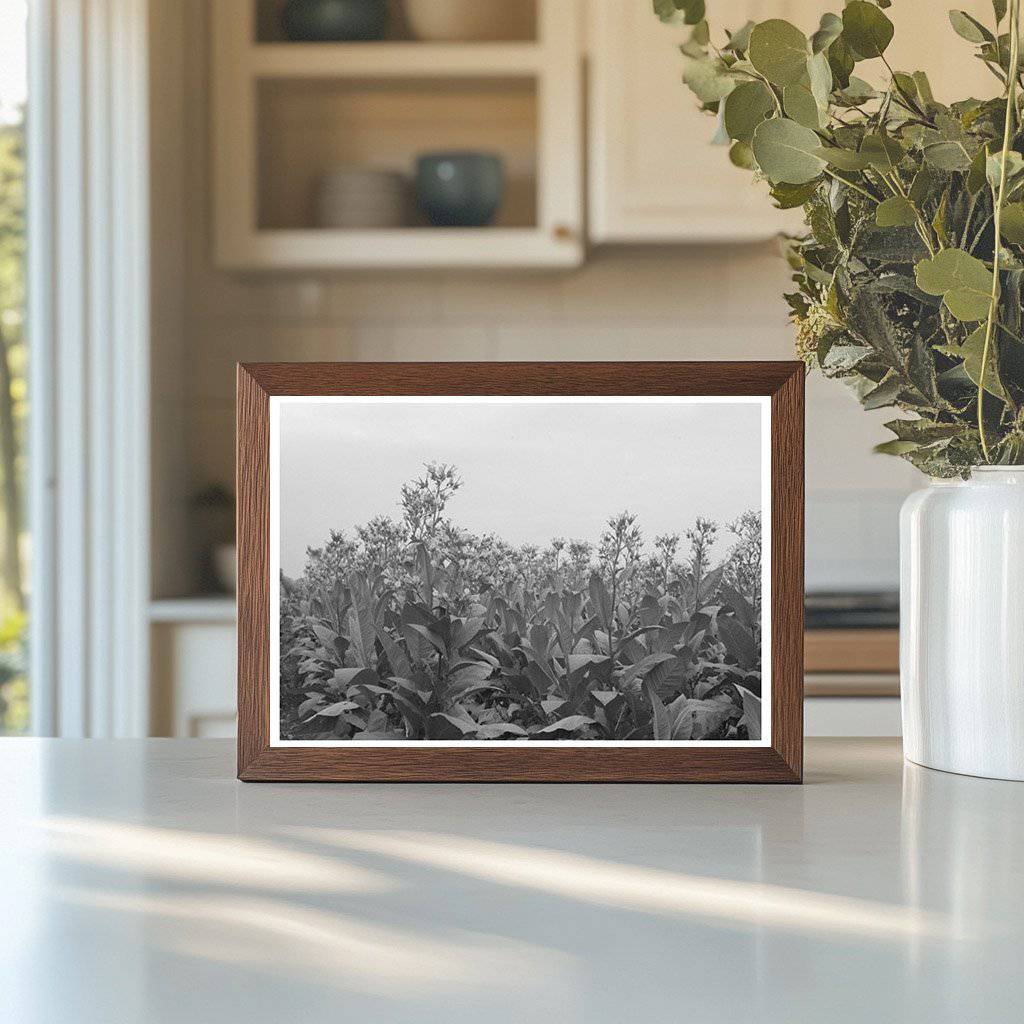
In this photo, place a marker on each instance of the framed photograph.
(564, 572)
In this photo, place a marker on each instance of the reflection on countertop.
(146, 884)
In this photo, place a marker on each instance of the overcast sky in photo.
(531, 471)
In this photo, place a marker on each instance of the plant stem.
(775, 98)
(853, 185)
(1011, 109)
(907, 99)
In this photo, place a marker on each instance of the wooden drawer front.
(852, 650)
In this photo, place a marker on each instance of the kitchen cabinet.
(287, 114)
(653, 175)
(192, 649)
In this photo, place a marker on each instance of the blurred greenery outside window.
(14, 538)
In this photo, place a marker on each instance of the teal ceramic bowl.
(334, 21)
(460, 189)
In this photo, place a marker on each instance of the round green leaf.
(1012, 225)
(788, 197)
(895, 212)
(993, 166)
(972, 352)
(947, 156)
(779, 51)
(745, 108)
(801, 106)
(896, 447)
(857, 91)
(829, 30)
(707, 79)
(963, 281)
(841, 63)
(819, 74)
(787, 152)
(968, 28)
(883, 152)
(741, 155)
(844, 159)
(866, 29)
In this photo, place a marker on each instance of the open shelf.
(393, 60)
(308, 127)
(520, 22)
(406, 248)
(286, 114)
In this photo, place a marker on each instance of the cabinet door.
(925, 41)
(654, 176)
(285, 114)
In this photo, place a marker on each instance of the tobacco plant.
(415, 629)
(910, 277)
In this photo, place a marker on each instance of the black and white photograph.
(497, 570)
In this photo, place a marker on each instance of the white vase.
(962, 624)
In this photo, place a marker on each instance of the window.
(14, 548)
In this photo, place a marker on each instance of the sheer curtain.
(88, 335)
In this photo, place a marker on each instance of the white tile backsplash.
(853, 539)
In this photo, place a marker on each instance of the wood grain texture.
(781, 762)
(252, 531)
(787, 569)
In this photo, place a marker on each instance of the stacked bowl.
(470, 20)
(362, 197)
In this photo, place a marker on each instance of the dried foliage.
(901, 289)
(416, 629)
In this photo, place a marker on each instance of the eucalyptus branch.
(898, 153)
(909, 100)
(1000, 197)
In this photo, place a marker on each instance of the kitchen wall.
(652, 303)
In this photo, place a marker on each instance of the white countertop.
(140, 882)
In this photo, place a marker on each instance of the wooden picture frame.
(779, 759)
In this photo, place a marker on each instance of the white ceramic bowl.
(363, 179)
(359, 197)
(470, 20)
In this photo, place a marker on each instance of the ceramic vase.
(962, 624)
